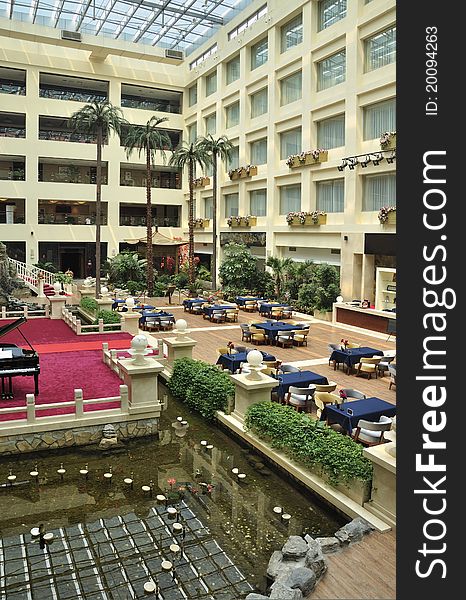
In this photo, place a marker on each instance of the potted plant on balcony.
(387, 215)
(310, 157)
(316, 217)
(201, 182)
(201, 223)
(388, 140)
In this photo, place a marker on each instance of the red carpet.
(59, 375)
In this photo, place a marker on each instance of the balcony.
(77, 89)
(12, 81)
(80, 171)
(56, 129)
(175, 136)
(134, 215)
(162, 177)
(12, 125)
(54, 212)
(12, 168)
(134, 96)
(12, 211)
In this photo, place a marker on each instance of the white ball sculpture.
(254, 359)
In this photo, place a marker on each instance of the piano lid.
(15, 325)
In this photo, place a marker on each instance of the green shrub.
(89, 305)
(134, 287)
(108, 316)
(200, 386)
(204, 274)
(309, 441)
(160, 289)
(181, 280)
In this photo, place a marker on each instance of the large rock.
(283, 592)
(328, 544)
(301, 578)
(315, 559)
(108, 443)
(353, 531)
(295, 547)
(256, 597)
(275, 564)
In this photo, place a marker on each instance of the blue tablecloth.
(273, 329)
(369, 409)
(188, 303)
(302, 379)
(157, 315)
(233, 361)
(208, 310)
(266, 307)
(351, 356)
(241, 300)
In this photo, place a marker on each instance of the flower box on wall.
(388, 140)
(306, 219)
(201, 223)
(241, 221)
(307, 158)
(387, 215)
(201, 182)
(242, 172)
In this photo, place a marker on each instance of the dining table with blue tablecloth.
(301, 379)
(156, 315)
(369, 409)
(233, 361)
(189, 302)
(266, 307)
(273, 329)
(208, 310)
(351, 356)
(241, 300)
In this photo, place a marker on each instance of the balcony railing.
(17, 219)
(136, 221)
(72, 94)
(166, 181)
(12, 87)
(60, 219)
(13, 132)
(156, 105)
(65, 178)
(68, 136)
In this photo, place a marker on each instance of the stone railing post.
(57, 304)
(78, 326)
(130, 322)
(79, 406)
(124, 405)
(30, 409)
(180, 346)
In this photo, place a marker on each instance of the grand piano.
(15, 361)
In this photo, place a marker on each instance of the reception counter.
(367, 318)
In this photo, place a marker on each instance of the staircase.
(31, 276)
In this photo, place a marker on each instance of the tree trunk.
(191, 224)
(149, 246)
(214, 223)
(98, 211)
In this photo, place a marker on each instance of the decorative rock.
(109, 431)
(314, 558)
(353, 531)
(275, 564)
(295, 547)
(301, 578)
(256, 597)
(328, 544)
(108, 443)
(283, 592)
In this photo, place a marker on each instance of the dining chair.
(218, 316)
(331, 386)
(353, 345)
(285, 339)
(368, 366)
(388, 357)
(353, 394)
(222, 350)
(231, 315)
(332, 348)
(300, 398)
(245, 332)
(258, 336)
(276, 313)
(285, 368)
(392, 371)
(328, 398)
(370, 433)
(300, 337)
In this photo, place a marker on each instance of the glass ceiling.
(178, 24)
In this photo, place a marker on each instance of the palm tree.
(148, 139)
(279, 267)
(191, 155)
(218, 148)
(98, 119)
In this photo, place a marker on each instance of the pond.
(217, 510)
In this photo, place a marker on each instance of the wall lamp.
(391, 158)
(343, 165)
(377, 158)
(353, 161)
(366, 161)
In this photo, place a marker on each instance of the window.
(259, 53)
(259, 152)
(209, 169)
(380, 49)
(290, 198)
(258, 203)
(231, 205)
(330, 195)
(233, 161)
(378, 118)
(331, 71)
(209, 207)
(194, 208)
(192, 133)
(200, 59)
(192, 95)
(291, 88)
(232, 114)
(379, 190)
(248, 22)
(211, 123)
(233, 70)
(290, 143)
(331, 132)
(291, 34)
(259, 103)
(211, 83)
(331, 11)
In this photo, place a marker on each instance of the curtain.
(259, 103)
(233, 161)
(258, 203)
(290, 199)
(232, 115)
(290, 143)
(211, 123)
(233, 68)
(331, 11)
(291, 88)
(330, 195)
(292, 33)
(331, 132)
(211, 84)
(379, 118)
(379, 190)
(192, 133)
(381, 49)
(231, 205)
(331, 71)
(193, 95)
(259, 53)
(259, 152)
(209, 207)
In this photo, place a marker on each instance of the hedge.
(89, 304)
(309, 442)
(200, 386)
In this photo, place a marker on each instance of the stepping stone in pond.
(97, 526)
(205, 566)
(243, 587)
(215, 581)
(112, 522)
(222, 560)
(192, 588)
(13, 552)
(195, 552)
(15, 566)
(233, 575)
(98, 537)
(212, 547)
(130, 517)
(135, 527)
